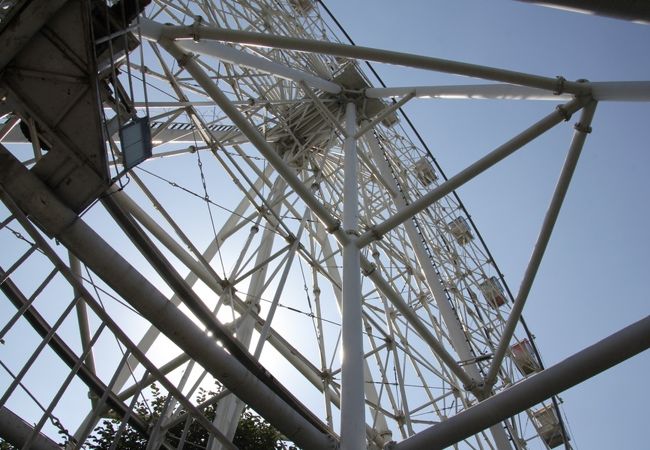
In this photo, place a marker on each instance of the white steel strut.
(288, 247)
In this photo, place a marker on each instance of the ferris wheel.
(262, 216)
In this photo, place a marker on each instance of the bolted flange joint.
(559, 85)
(376, 235)
(184, 58)
(196, 28)
(335, 227)
(582, 128)
(352, 233)
(474, 387)
(369, 270)
(563, 112)
(334, 443)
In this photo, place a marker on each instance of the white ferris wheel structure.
(219, 191)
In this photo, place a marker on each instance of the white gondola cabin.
(460, 230)
(493, 292)
(548, 426)
(425, 172)
(524, 357)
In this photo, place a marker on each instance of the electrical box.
(135, 139)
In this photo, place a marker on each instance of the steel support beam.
(634, 10)
(380, 426)
(211, 251)
(583, 365)
(152, 31)
(229, 409)
(33, 197)
(82, 316)
(353, 417)
(194, 69)
(107, 393)
(457, 336)
(319, 210)
(17, 432)
(196, 267)
(202, 312)
(561, 113)
(622, 91)
(24, 26)
(382, 114)
(468, 91)
(582, 128)
(67, 355)
(373, 54)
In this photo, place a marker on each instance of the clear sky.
(593, 279)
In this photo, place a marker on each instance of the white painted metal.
(594, 359)
(153, 31)
(459, 338)
(127, 281)
(471, 171)
(16, 432)
(582, 129)
(370, 54)
(256, 128)
(621, 91)
(230, 409)
(353, 415)
(469, 91)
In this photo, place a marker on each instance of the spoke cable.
(206, 198)
(194, 194)
(119, 343)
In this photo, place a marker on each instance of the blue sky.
(593, 278)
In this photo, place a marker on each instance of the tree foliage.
(253, 432)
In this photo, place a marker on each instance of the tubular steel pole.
(456, 335)
(211, 89)
(498, 91)
(152, 31)
(634, 10)
(583, 365)
(353, 423)
(514, 144)
(82, 317)
(35, 198)
(579, 136)
(383, 113)
(618, 91)
(319, 210)
(372, 54)
(16, 431)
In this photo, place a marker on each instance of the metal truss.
(289, 239)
